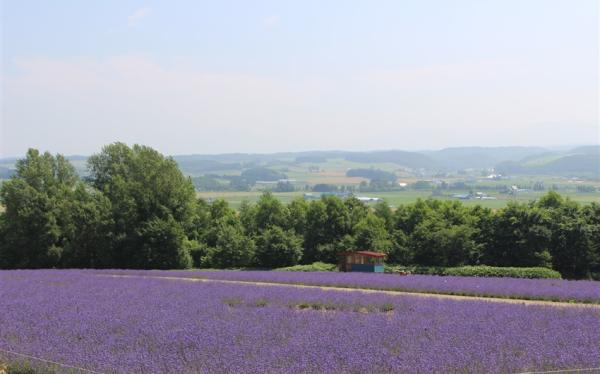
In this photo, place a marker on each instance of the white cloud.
(136, 17)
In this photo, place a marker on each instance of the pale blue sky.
(263, 76)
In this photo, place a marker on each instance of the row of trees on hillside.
(137, 210)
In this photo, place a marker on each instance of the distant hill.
(192, 166)
(577, 162)
(6, 173)
(312, 159)
(480, 157)
(580, 161)
(588, 149)
(243, 158)
(412, 160)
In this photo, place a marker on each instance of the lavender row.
(533, 289)
(149, 325)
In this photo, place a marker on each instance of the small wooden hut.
(365, 261)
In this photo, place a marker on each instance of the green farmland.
(395, 198)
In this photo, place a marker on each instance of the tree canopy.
(136, 209)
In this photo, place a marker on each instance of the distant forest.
(373, 174)
(136, 209)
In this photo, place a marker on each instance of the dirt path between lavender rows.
(364, 290)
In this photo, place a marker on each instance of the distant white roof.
(367, 199)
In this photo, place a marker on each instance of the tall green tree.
(571, 240)
(407, 217)
(89, 231)
(436, 243)
(591, 215)
(37, 201)
(356, 211)
(339, 219)
(383, 211)
(328, 229)
(297, 216)
(163, 245)
(31, 233)
(269, 212)
(276, 248)
(482, 220)
(201, 220)
(231, 248)
(520, 238)
(247, 214)
(370, 234)
(148, 194)
(220, 215)
(316, 231)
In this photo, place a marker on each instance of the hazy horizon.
(238, 77)
(550, 148)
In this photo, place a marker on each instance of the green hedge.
(512, 272)
(315, 266)
(461, 271)
(425, 270)
(479, 271)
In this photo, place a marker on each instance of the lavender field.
(529, 289)
(150, 325)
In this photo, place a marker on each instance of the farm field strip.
(363, 290)
(554, 290)
(148, 325)
(396, 198)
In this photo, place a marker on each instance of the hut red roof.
(364, 253)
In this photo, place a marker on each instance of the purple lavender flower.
(538, 289)
(150, 325)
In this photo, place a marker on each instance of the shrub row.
(315, 266)
(511, 272)
(479, 271)
(461, 271)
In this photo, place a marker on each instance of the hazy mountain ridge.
(414, 160)
(579, 161)
(480, 157)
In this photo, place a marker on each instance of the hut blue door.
(364, 261)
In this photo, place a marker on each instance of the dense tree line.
(372, 174)
(137, 210)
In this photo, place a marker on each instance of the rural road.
(345, 289)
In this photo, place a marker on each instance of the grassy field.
(333, 171)
(396, 198)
